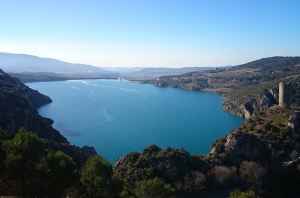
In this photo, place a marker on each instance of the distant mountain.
(151, 73)
(19, 63)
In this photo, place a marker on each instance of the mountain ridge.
(18, 63)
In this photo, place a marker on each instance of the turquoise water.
(118, 117)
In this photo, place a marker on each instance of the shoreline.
(59, 80)
(196, 154)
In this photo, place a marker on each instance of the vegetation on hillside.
(30, 168)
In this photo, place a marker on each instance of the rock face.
(268, 99)
(248, 106)
(18, 105)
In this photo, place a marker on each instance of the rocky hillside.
(35, 159)
(18, 105)
(247, 88)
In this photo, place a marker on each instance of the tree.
(61, 172)
(153, 188)
(240, 194)
(96, 178)
(23, 156)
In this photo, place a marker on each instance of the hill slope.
(18, 105)
(247, 87)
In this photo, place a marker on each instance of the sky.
(151, 33)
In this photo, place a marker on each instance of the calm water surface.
(117, 117)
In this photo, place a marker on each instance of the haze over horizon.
(140, 33)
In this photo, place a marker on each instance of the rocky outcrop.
(249, 108)
(268, 99)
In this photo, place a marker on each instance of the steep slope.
(18, 105)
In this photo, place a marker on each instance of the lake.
(119, 116)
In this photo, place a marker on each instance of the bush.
(61, 172)
(240, 194)
(23, 155)
(153, 188)
(96, 178)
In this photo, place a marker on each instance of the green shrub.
(240, 194)
(96, 178)
(61, 172)
(153, 188)
(23, 156)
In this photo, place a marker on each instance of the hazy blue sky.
(151, 32)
